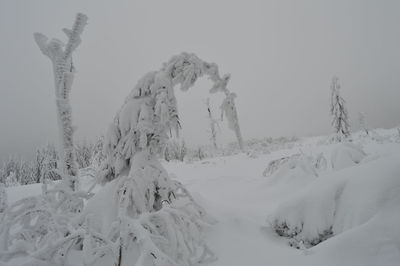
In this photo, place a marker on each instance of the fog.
(281, 56)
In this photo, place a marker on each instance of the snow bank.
(338, 202)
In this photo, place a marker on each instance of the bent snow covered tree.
(140, 129)
(154, 215)
(60, 55)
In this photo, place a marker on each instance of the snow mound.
(339, 202)
(346, 155)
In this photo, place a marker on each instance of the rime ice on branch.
(60, 55)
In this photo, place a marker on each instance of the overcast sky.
(281, 55)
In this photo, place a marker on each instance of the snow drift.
(340, 201)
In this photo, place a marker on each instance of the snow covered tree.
(49, 171)
(340, 120)
(150, 112)
(363, 125)
(60, 55)
(154, 213)
(12, 171)
(97, 156)
(213, 122)
(27, 173)
(84, 153)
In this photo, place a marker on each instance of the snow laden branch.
(42, 228)
(60, 55)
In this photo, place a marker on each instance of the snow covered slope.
(364, 219)
(357, 200)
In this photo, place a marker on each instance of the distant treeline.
(17, 171)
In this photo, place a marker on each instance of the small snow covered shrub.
(42, 228)
(274, 165)
(306, 219)
(281, 166)
(175, 150)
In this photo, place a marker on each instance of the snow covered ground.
(356, 196)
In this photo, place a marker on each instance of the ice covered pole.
(60, 55)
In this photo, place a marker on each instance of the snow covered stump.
(151, 219)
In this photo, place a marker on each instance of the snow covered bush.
(42, 229)
(337, 202)
(295, 162)
(175, 149)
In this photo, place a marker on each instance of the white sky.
(281, 55)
